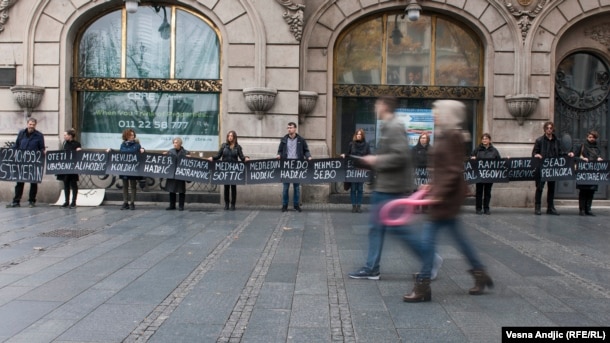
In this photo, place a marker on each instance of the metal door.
(582, 84)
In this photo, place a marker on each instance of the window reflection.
(458, 56)
(197, 48)
(100, 48)
(147, 55)
(359, 54)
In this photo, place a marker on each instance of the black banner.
(124, 163)
(591, 173)
(29, 166)
(228, 173)
(193, 169)
(263, 171)
(157, 165)
(557, 169)
(521, 169)
(21, 165)
(60, 162)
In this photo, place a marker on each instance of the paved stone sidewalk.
(259, 275)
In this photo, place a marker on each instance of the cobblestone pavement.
(258, 275)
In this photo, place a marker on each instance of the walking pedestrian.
(358, 146)
(131, 145)
(28, 139)
(589, 151)
(230, 151)
(70, 180)
(292, 147)
(547, 146)
(486, 151)
(447, 189)
(174, 186)
(393, 168)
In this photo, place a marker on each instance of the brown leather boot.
(481, 279)
(421, 292)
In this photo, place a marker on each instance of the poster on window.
(156, 118)
(417, 121)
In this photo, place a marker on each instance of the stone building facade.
(518, 63)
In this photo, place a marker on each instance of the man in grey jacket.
(394, 179)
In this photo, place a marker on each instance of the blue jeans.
(377, 232)
(295, 198)
(429, 241)
(356, 192)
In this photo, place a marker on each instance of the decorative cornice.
(4, 7)
(145, 85)
(425, 92)
(293, 17)
(525, 17)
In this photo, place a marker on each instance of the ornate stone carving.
(521, 106)
(259, 99)
(405, 91)
(524, 15)
(145, 85)
(600, 33)
(307, 102)
(4, 6)
(28, 97)
(293, 17)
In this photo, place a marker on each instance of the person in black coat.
(230, 151)
(132, 145)
(292, 147)
(486, 151)
(589, 151)
(547, 146)
(420, 151)
(357, 147)
(70, 180)
(28, 139)
(174, 186)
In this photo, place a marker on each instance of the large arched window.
(156, 71)
(418, 62)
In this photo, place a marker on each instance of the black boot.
(588, 204)
(172, 202)
(581, 203)
(226, 206)
(481, 280)
(537, 210)
(421, 292)
(181, 199)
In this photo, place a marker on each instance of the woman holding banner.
(70, 180)
(174, 186)
(132, 145)
(589, 151)
(420, 154)
(230, 151)
(483, 189)
(357, 147)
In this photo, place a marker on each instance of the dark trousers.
(70, 184)
(483, 194)
(19, 192)
(172, 200)
(550, 194)
(233, 189)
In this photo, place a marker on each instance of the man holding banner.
(547, 146)
(28, 139)
(292, 147)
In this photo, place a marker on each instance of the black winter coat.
(488, 153)
(358, 148)
(420, 154)
(592, 152)
(69, 146)
(302, 148)
(226, 154)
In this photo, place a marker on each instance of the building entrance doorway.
(582, 84)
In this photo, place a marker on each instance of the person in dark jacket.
(292, 147)
(483, 189)
(357, 147)
(230, 151)
(447, 190)
(420, 155)
(132, 145)
(589, 151)
(546, 146)
(70, 180)
(174, 186)
(28, 139)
